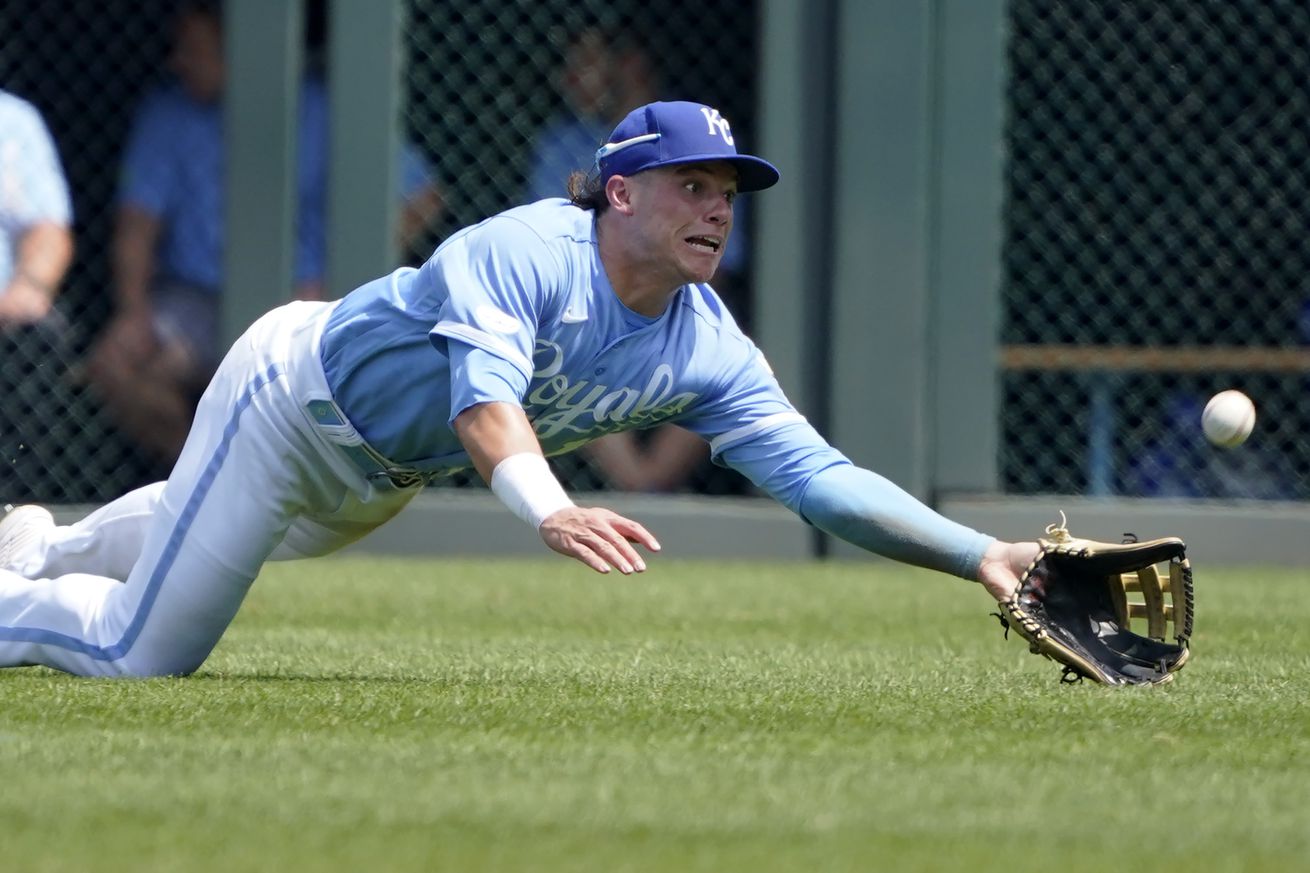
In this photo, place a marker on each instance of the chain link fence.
(498, 95)
(83, 65)
(1157, 244)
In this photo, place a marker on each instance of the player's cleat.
(20, 528)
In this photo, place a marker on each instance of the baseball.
(1228, 419)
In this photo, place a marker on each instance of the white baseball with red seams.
(1228, 419)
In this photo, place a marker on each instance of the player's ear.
(618, 190)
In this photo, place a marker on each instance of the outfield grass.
(403, 715)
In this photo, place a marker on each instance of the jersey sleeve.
(873, 513)
(499, 277)
(477, 376)
(753, 428)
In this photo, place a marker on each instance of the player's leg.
(107, 542)
(247, 470)
(315, 534)
(203, 548)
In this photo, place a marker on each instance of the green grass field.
(422, 715)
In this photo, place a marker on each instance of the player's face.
(687, 216)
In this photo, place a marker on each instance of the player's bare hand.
(599, 538)
(1002, 565)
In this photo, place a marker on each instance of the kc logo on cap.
(718, 121)
(664, 134)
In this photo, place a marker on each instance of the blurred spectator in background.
(606, 74)
(36, 249)
(162, 344)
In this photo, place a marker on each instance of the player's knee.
(156, 665)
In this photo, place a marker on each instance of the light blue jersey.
(518, 309)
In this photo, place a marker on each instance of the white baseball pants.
(146, 585)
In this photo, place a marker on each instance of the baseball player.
(525, 335)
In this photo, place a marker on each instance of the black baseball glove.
(1076, 602)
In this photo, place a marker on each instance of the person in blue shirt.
(525, 335)
(161, 346)
(36, 250)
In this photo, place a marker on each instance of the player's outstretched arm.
(504, 449)
(868, 510)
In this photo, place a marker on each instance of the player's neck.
(642, 284)
(649, 301)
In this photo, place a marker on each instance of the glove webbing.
(1154, 588)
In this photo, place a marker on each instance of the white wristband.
(524, 483)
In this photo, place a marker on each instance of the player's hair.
(587, 191)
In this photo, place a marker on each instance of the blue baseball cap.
(679, 132)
